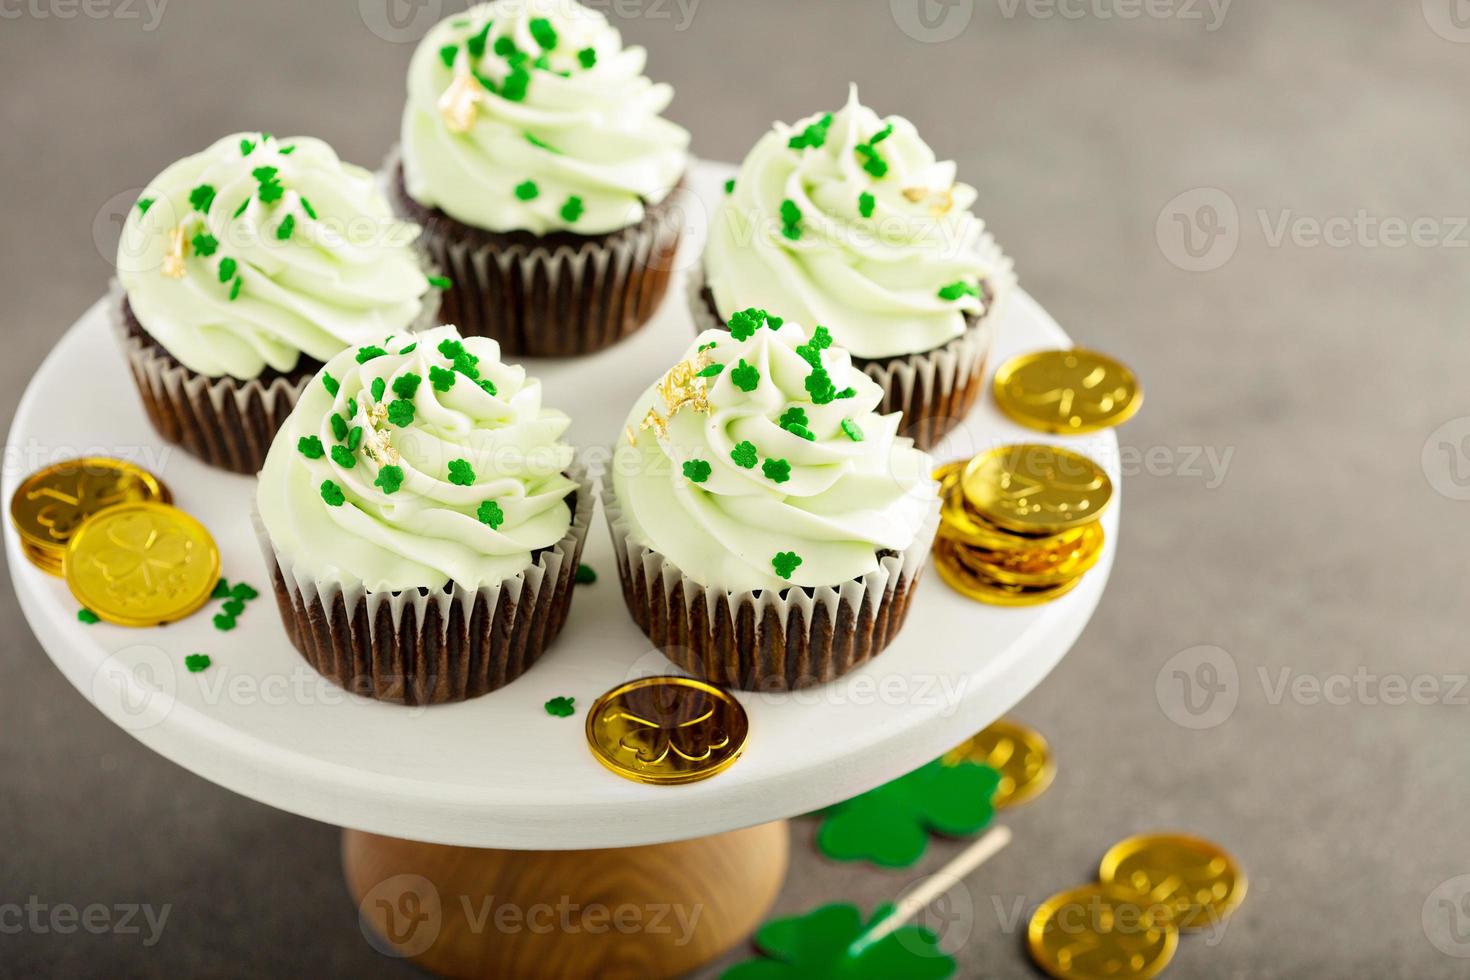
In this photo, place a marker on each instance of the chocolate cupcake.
(535, 158)
(422, 520)
(848, 221)
(769, 524)
(241, 271)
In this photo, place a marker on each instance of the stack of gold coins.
(1020, 523)
(53, 504)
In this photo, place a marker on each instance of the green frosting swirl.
(848, 220)
(776, 470)
(531, 115)
(259, 250)
(418, 462)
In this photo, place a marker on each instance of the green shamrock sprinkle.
(343, 457)
(505, 46)
(821, 338)
(468, 365)
(744, 455)
(544, 33)
(795, 415)
(221, 590)
(776, 470)
(586, 575)
(365, 354)
(288, 225)
(819, 385)
(287, 151)
(476, 43)
(390, 479)
(744, 324)
(810, 353)
(490, 514)
(785, 562)
(144, 203)
(354, 438)
(408, 350)
(269, 189)
(516, 84)
(847, 393)
(730, 186)
(379, 388)
(956, 290)
(196, 662)
(241, 209)
(205, 244)
(587, 57)
(812, 136)
(527, 190)
(709, 346)
(774, 322)
(790, 219)
(437, 282)
(461, 474)
(224, 622)
(244, 592)
(745, 376)
(339, 426)
(450, 349)
(407, 385)
(572, 210)
(311, 447)
(873, 161)
(561, 707)
(306, 206)
(333, 494)
(88, 616)
(201, 197)
(853, 432)
(866, 203)
(448, 53)
(401, 412)
(233, 608)
(441, 379)
(331, 384)
(226, 269)
(488, 387)
(235, 289)
(711, 371)
(247, 147)
(697, 470)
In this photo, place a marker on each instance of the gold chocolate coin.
(1036, 489)
(666, 731)
(1196, 880)
(1018, 753)
(1067, 391)
(983, 588)
(52, 504)
(1098, 932)
(142, 564)
(1034, 569)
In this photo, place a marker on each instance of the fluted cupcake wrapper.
(561, 295)
(226, 422)
(765, 640)
(935, 389)
(447, 646)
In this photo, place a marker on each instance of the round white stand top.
(499, 771)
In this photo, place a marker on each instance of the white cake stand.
(498, 772)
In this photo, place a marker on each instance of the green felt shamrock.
(817, 946)
(890, 826)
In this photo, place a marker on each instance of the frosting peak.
(531, 115)
(259, 250)
(760, 462)
(848, 220)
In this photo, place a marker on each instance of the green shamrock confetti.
(379, 389)
(144, 203)
(853, 432)
(527, 190)
(201, 197)
(311, 447)
(441, 379)
(776, 470)
(221, 590)
(197, 662)
(890, 826)
(343, 457)
(406, 385)
(785, 563)
(744, 455)
(390, 479)
(790, 219)
(366, 354)
(745, 376)
(332, 494)
(331, 384)
(866, 203)
(587, 57)
(88, 616)
(205, 244)
(224, 622)
(233, 608)
(819, 945)
(730, 186)
(543, 32)
(697, 470)
(401, 412)
(561, 707)
(461, 474)
(244, 593)
(490, 514)
(586, 575)
(744, 324)
(812, 136)
(957, 290)
(572, 210)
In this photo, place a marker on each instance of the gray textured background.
(1328, 549)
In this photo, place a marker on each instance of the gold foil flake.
(631, 436)
(459, 106)
(941, 201)
(657, 422)
(380, 450)
(377, 415)
(178, 249)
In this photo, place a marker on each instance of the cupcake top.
(259, 250)
(531, 115)
(760, 462)
(848, 220)
(416, 462)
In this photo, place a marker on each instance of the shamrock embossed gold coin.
(1195, 879)
(1067, 391)
(142, 564)
(53, 503)
(1035, 489)
(1098, 932)
(1020, 754)
(665, 731)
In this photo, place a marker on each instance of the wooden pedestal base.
(642, 913)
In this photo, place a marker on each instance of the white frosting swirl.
(308, 261)
(524, 95)
(422, 468)
(783, 462)
(882, 248)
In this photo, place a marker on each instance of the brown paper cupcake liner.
(934, 389)
(226, 422)
(555, 295)
(420, 647)
(763, 639)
